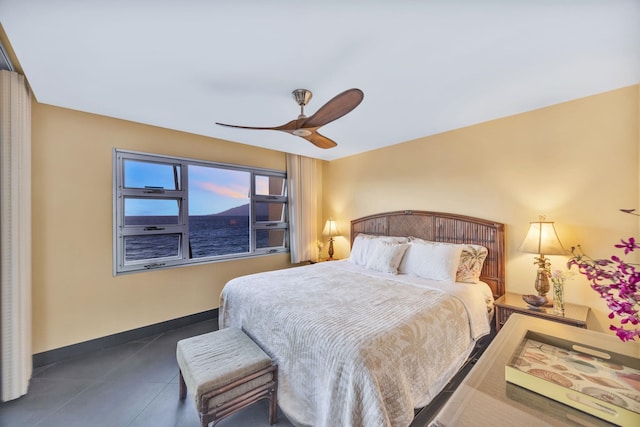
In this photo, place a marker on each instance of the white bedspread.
(356, 347)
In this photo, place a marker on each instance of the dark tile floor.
(129, 385)
(135, 385)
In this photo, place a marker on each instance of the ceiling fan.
(307, 127)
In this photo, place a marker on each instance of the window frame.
(181, 195)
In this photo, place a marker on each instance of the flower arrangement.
(617, 283)
(320, 245)
(558, 277)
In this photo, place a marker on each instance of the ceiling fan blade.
(337, 107)
(243, 127)
(292, 125)
(320, 141)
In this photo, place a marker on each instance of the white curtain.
(302, 190)
(15, 234)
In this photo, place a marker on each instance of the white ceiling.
(425, 66)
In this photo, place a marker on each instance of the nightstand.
(509, 303)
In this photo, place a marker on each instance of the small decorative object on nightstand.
(535, 302)
(320, 246)
(509, 303)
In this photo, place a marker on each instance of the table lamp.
(542, 239)
(330, 230)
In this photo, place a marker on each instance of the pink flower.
(617, 283)
(628, 246)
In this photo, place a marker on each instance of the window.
(171, 211)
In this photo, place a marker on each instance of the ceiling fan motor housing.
(302, 96)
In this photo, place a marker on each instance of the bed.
(367, 340)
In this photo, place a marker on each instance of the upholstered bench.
(226, 371)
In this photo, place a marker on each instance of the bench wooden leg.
(273, 401)
(183, 387)
(273, 409)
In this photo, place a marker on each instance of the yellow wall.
(576, 163)
(75, 296)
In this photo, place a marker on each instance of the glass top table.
(485, 398)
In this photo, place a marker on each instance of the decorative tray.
(601, 383)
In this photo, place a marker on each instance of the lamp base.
(330, 248)
(542, 277)
(542, 283)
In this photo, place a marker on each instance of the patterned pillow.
(471, 261)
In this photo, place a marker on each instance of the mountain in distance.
(243, 210)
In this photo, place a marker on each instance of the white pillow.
(471, 259)
(360, 249)
(431, 261)
(385, 256)
(362, 246)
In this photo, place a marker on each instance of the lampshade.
(542, 239)
(330, 228)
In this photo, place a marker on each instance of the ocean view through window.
(172, 211)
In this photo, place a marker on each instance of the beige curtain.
(15, 234)
(302, 193)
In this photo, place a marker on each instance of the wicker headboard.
(443, 227)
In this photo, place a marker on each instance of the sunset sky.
(211, 190)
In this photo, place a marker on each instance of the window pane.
(271, 212)
(270, 238)
(213, 235)
(218, 211)
(138, 174)
(150, 211)
(137, 248)
(270, 185)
